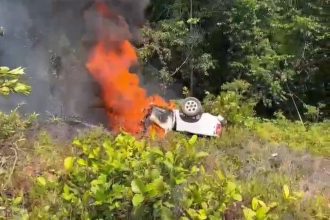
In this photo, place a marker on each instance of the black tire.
(191, 107)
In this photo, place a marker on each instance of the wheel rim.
(191, 106)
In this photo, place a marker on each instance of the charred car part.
(189, 118)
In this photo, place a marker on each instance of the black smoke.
(52, 40)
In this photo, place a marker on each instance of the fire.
(125, 100)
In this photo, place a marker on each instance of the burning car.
(189, 118)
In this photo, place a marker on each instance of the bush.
(232, 102)
(13, 123)
(10, 81)
(126, 178)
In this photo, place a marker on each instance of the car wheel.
(191, 106)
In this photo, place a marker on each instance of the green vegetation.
(10, 81)
(120, 177)
(278, 47)
(250, 59)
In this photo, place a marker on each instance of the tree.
(173, 48)
(279, 47)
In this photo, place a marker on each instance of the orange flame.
(125, 100)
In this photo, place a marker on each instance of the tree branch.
(182, 64)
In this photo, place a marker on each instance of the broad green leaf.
(166, 214)
(18, 200)
(17, 71)
(81, 162)
(231, 186)
(137, 186)
(169, 155)
(156, 187)
(76, 142)
(255, 203)
(262, 203)
(22, 88)
(249, 214)
(41, 181)
(68, 163)
(137, 200)
(193, 140)
(202, 214)
(237, 197)
(157, 151)
(4, 91)
(4, 69)
(262, 213)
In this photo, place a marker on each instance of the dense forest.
(263, 65)
(276, 51)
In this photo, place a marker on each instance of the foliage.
(124, 177)
(10, 81)
(13, 123)
(279, 47)
(231, 103)
(314, 139)
(173, 49)
(258, 210)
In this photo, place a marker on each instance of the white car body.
(205, 124)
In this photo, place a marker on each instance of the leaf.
(76, 142)
(231, 186)
(262, 203)
(155, 188)
(4, 69)
(237, 197)
(17, 71)
(299, 194)
(202, 214)
(169, 155)
(157, 152)
(137, 186)
(255, 203)
(82, 162)
(4, 90)
(220, 175)
(18, 200)
(22, 88)
(249, 214)
(193, 140)
(273, 205)
(201, 154)
(41, 181)
(166, 214)
(262, 212)
(68, 163)
(286, 191)
(137, 200)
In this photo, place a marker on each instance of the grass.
(313, 138)
(261, 159)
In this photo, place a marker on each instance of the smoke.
(52, 40)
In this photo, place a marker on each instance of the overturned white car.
(190, 118)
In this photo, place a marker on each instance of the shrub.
(13, 123)
(126, 178)
(10, 81)
(232, 102)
